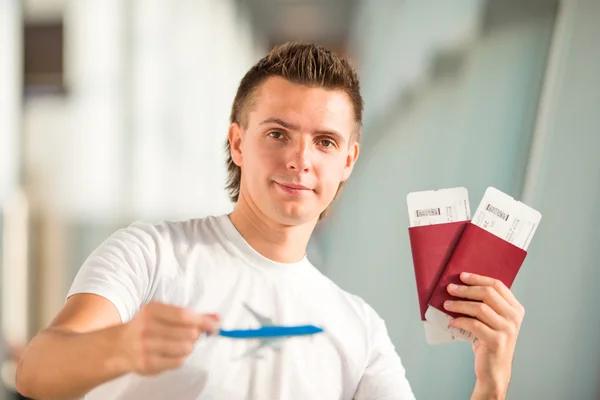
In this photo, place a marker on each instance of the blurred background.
(117, 110)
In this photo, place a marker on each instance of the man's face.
(295, 151)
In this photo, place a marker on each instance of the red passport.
(480, 252)
(431, 247)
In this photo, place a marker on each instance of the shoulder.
(128, 266)
(166, 232)
(197, 229)
(144, 244)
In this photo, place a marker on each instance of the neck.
(275, 241)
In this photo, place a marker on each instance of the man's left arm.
(495, 318)
(492, 314)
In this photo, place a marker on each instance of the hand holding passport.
(445, 242)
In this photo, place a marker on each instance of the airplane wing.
(264, 321)
(267, 342)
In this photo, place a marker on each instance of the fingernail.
(210, 323)
(448, 303)
(452, 286)
(466, 275)
(214, 317)
(215, 325)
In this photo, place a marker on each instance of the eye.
(276, 135)
(327, 143)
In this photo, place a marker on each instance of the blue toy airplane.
(269, 333)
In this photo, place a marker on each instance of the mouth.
(293, 189)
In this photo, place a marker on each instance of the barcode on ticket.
(442, 321)
(429, 212)
(463, 334)
(462, 331)
(497, 212)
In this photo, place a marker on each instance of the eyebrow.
(290, 126)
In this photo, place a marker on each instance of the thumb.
(209, 323)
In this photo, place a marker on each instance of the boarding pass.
(438, 206)
(506, 218)
(432, 207)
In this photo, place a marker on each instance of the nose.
(299, 159)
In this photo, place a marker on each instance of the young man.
(133, 324)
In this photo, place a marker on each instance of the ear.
(235, 143)
(351, 160)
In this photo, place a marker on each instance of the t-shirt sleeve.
(121, 269)
(384, 377)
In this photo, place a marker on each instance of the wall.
(140, 132)
(10, 74)
(470, 127)
(10, 95)
(558, 355)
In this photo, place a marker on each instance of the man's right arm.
(87, 345)
(75, 353)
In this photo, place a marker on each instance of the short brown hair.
(298, 62)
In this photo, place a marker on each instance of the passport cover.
(431, 247)
(480, 252)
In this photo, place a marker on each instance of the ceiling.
(323, 21)
(35, 10)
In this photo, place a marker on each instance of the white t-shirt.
(207, 266)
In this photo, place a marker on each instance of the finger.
(483, 332)
(183, 333)
(209, 323)
(170, 348)
(172, 363)
(159, 363)
(478, 310)
(480, 280)
(487, 294)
